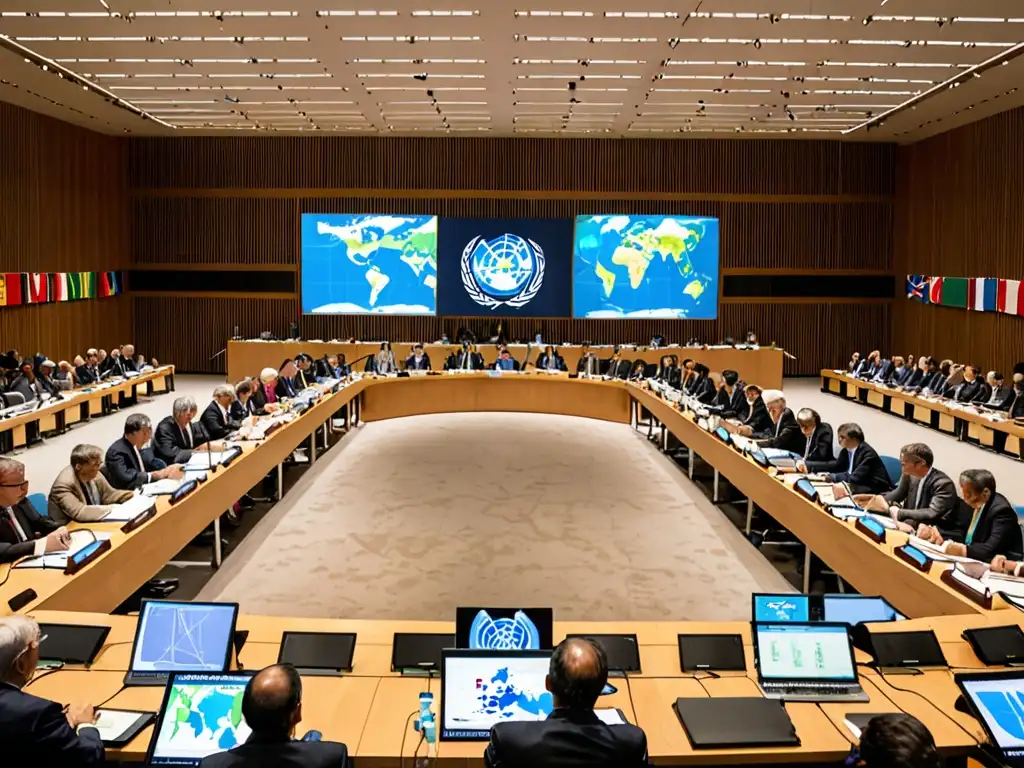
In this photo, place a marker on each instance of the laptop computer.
(806, 661)
(993, 698)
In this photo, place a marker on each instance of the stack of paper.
(936, 553)
(161, 487)
(136, 505)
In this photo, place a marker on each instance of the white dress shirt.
(142, 466)
(40, 544)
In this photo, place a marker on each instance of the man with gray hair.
(784, 433)
(216, 419)
(80, 492)
(177, 437)
(35, 731)
(924, 494)
(128, 466)
(23, 531)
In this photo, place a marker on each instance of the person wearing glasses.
(37, 731)
(23, 531)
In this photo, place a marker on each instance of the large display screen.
(506, 267)
(999, 699)
(369, 264)
(645, 267)
(201, 715)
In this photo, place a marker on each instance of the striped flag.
(58, 286)
(982, 294)
(917, 288)
(38, 288)
(1008, 297)
(88, 285)
(954, 292)
(935, 290)
(12, 288)
(74, 286)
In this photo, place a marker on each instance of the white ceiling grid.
(628, 68)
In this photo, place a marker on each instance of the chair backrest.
(893, 468)
(1019, 509)
(38, 502)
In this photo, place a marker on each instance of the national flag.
(935, 290)
(1008, 297)
(954, 292)
(58, 286)
(917, 288)
(3, 290)
(12, 288)
(104, 284)
(38, 288)
(88, 285)
(74, 286)
(988, 290)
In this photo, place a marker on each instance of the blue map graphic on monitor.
(201, 718)
(182, 637)
(518, 633)
(369, 264)
(503, 698)
(645, 267)
(779, 608)
(1007, 709)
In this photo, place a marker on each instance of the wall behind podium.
(960, 213)
(63, 208)
(224, 212)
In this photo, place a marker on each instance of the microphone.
(526, 359)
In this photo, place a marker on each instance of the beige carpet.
(412, 517)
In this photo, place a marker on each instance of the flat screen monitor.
(201, 714)
(419, 651)
(996, 699)
(623, 651)
(504, 629)
(181, 637)
(859, 609)
(377, 264)
(318, 653)
(781, 607)
(71, 643)
(630, 267)
(804, 652)
(711, 652)
(481, 688)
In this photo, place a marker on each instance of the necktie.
(920, 487)
(18, 530)
(185, 437)
(851, 460)
(807, 448)
(975, 519)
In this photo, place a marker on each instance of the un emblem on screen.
(516, 634)
(507, 270)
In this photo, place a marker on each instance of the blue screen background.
(782, 608)
(854, 610)
(645, 267)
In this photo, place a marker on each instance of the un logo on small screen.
(516, 634)
(507, 270)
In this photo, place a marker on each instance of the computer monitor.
(481, 688)
(781, 607)
(419, 652)
(181, 637)
(201, 714)
(623, 651)
(810, 652)
(859, 609)
(318, 653)
(504, 629)
(71, 643)
(995, 698)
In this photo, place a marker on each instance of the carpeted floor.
(410, 518)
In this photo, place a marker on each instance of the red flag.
(935, 290)
(38, 288)
(972, 292)
(12, 287)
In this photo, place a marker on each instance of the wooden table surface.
(247, 358)
(367, 709)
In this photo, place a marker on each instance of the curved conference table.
(368, 708)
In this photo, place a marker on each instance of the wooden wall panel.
(63, 208)
(960, 213)
(621, 165)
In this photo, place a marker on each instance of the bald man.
(272, 708)
(572, 736)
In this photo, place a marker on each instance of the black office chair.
(11, 399)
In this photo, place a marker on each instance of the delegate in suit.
(418, 360)
(80, 492)
(23, 531)
(817, 436)
(128, 466)
(618, 367)
(754, 418)
(857, 465)
(985, 525)
(572, 736)
(550, 360)
(176, 436)
(272, 708)
(217, 419)
(924, 494)
(784, 434)
(35, 731)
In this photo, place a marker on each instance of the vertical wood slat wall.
(784, 205)
(960, 213)
(63, 208)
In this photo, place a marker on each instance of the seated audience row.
(36, 376)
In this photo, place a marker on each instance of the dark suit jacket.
(239, 410)
(785, 435)
(257, 753)
(756, 416)
(35, 731)
(1017, 409)
(966, 391)
(883, 371)
(670, 376)
(215, 425)
(424, 364)
(304, 379)
(86, 375)
(122, 467)
(1004, 398)
(899, 375)
(476, 361)
(595, 366)
(169, 444)
(619, 369)
(984, 393)
(935, 383)
(702, 389)
(542, 362)
(820, 447)
(567, 739)
(868, 475)
(35, 527)
(127, 364)
(915, 380)
(285, 388)
(939, 500)
(997, 532)
(733, 404)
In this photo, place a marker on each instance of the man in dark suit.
(285, 385)
(217, 419)
(618, 368)
(127, 466)
(418, 360)
(550, 360)
(88, 372)
(924, 494)
(817, 436)
(305, 374)
(572, 736)
(754, 418)
(870, 366)
(23, 531)
(588, 363)
(784, 433)
(128, 358)
(897, 374)
(35, 731)
(668, 371)
(730, 398)
(700, 385)
(469, 359)
(969, 389)
(857, 465)
(1002, 396)
(985, 524)
(272, 708)
(177, 436)
(505, 361)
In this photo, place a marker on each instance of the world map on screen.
(645, 266)
(202, 719)
(361, 264)
(504, 698)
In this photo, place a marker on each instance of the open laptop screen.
(782, 607)
(810, 652)
(996, 699)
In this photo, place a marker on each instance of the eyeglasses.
(36, 643)
(22, 484)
